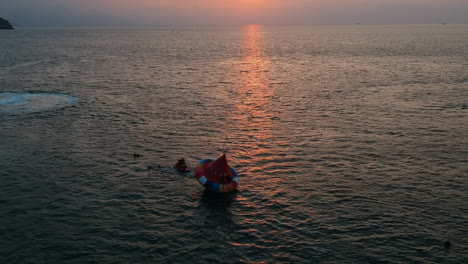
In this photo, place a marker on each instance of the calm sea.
(351, 143)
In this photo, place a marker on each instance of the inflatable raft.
(217, 175)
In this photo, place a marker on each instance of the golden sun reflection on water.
(254, 94)
(254, 70)
(255, 133)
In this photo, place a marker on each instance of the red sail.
(219, 171)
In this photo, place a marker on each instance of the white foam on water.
(23, 102)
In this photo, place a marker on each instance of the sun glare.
(253, 3)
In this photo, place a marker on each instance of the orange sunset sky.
(231, 12)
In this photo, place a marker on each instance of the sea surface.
(351, 143)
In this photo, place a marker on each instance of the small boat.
(181, 166)
(217, 175)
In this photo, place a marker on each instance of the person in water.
(181, 165)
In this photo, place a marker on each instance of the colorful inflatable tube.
(217, 175)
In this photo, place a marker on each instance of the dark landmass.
(4, 24)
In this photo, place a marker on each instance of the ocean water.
(351, 143)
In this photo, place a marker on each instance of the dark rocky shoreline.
(4, 24)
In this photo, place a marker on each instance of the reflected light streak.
(258, 147)
(255, 93)
(254, 114)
